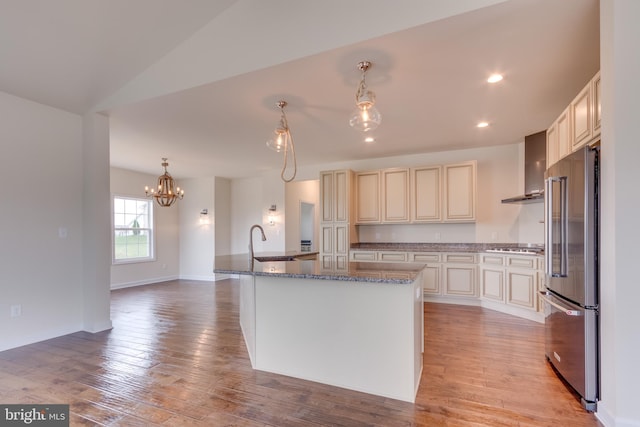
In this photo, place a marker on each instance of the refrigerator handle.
(565, 310)
(551, 230)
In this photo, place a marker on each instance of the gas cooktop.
(518, 250)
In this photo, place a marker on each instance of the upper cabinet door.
(426, 194)
(563, 128)
(395, 195)
(460, 192)
(342, 195)
(368, 197)
(597, 108)
(581, 118)
(326, 196)
(335, 195)
(552, 144)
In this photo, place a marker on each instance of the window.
(132, 229)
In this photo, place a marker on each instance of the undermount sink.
(294, 257)
(275, 258)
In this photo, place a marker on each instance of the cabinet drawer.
(423, 257)
(522, 262)
(363, 256)
(392, 256)
(460, 258)
(492, 259)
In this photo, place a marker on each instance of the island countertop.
(398, 273)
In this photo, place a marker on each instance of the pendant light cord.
(289, 146)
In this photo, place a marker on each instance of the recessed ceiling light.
(494, 78)
(482, 124)
(369, 139)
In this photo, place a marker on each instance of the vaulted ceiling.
(197, 80)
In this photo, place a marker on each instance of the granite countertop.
(439, 247)
(396, 273)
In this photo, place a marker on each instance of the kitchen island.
(359, 328)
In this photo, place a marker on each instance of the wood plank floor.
(176, 357)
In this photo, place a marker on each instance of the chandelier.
(366, 117)
(167, 193)
(282, 141)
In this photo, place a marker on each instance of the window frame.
(151, 230)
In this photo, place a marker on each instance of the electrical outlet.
(16, 310)
(437, 237)
(494, 235)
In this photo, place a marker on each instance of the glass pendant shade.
(365, 118)
(279, 141)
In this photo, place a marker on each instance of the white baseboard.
(143, 282)
(210, 278)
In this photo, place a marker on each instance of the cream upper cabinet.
(579, 123)
(326, 196)
(395, 195)
(367, 197)
(563, 124)
(335, 195)
(460, 192)
(552, 144)
(426, 193)
(597, 108)
(581, 115)
(417, 195)
(559, 137)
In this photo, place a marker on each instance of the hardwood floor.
(176, 357)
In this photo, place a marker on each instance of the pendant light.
(282, 141)
(167, 192)
(366, 117)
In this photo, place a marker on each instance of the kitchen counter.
(438, 247)
(359, 328)
(394, 273)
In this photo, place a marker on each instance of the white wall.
(222, 216)
(250, 202)
(297, 192)
(96, 236)
(620, 204)
(167, 245)
(197, 238)
(41, 222)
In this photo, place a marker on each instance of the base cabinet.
(505, 283)
(521, 288)
(492, 283)
(431, 279)
(460, 280)
(511, 280)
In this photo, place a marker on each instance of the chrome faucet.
(264, 238)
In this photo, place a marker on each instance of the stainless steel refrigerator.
(571, 298)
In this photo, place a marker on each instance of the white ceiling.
(430, 80)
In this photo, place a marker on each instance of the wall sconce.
(204, 216)
(272, 215)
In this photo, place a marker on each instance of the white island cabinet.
(361, 329)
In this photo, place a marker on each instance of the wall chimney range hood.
(535, 163)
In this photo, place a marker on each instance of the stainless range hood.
(535, 163)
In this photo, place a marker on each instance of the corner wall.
(41, 222)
